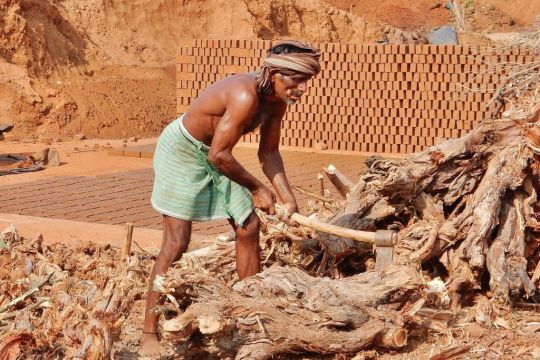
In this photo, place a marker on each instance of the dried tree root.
(469, 203)
(284, 310)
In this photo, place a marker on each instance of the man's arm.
(240, 111)
(272, 163)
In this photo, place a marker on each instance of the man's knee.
(176, 236)
(175, 243)
(251, 227)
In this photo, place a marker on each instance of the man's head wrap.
(289, 64)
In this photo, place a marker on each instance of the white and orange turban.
(293, 63)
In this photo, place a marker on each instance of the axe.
(384, 240)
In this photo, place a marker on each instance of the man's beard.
(290, 101)
(297, 94)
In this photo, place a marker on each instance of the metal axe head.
(384, 248)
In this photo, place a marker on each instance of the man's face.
(290, 87)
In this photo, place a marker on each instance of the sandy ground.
(78, 158)
(74, 232)
(86, 161)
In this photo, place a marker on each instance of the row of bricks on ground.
(61, 202)
(49, 183)
(381, 63)
(87, 207)
(98, 213)
(259, 47)
(335, 77)
(53, 180)
(154, 222)
(73, 196)
(76, 185)
(54, 190)
(118, 201)
(76, 193)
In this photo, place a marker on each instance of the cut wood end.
(179, 327)
(331, 169)
(393, 338)
(320, 176)
(209, 325)
(400, 338)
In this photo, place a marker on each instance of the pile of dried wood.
(467, 208)
(286, 310)
(60, 302)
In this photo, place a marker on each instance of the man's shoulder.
(242, 87)
(244, 82)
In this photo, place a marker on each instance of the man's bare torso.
(207, 110)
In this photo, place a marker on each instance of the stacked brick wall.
(368, 98)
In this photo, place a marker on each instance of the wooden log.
(536, 274)
(447, 203)
(340, 181)
(126, 246)
(284, 310)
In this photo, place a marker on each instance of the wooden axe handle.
(363, 236)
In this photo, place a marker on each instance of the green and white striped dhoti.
(188, 187)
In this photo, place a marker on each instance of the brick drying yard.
(422, 154)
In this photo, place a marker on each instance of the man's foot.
(150, 346)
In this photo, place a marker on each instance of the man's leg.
(176, 236)
(248, 252)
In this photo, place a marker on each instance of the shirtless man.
(197, 178)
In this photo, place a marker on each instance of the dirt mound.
(37, 34)
(523, 13)
(403, 14)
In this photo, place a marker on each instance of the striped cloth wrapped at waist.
(188, 187)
